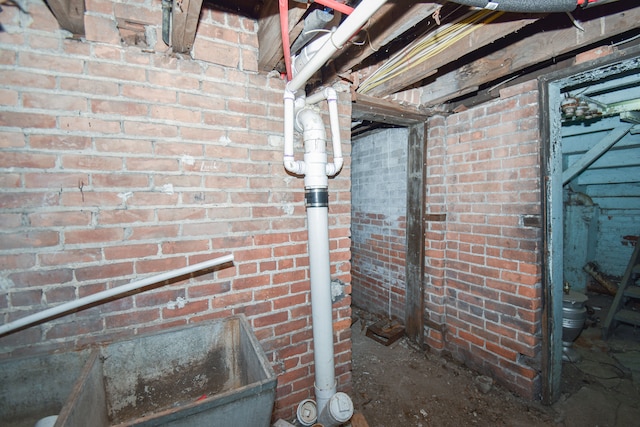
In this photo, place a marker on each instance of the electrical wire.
(432, 44)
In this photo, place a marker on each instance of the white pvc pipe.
(348, 28)
(332, 100)
(321, 306)
(108, 294)
(331, 96)
(289, 161)
(315, 153)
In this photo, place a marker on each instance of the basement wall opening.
(378, 224)
(591, 190)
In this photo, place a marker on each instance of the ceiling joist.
(270, 36)
(523, 54)
(469, 37)
(391, 21)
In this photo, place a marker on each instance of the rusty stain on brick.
(435, 217)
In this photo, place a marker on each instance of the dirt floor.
(398, 385)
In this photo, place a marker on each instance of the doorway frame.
(550, 96)
(382, 111)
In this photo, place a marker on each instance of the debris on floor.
(399, 385)
(385, 331)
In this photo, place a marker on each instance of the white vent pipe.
(299, 112)
(101, 297)
(345, 31)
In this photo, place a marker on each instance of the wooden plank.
(358, 420)
(609, 176)
(70, 14)
(615, 313)
(575, 145)
(552, 243)
(389, 22)
(612, 159)
(525, 53)
(414, 304)
(384, 111)
(481, 35)
(185, 18)
(592, 155)
(269, 35)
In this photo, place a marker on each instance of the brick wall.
(483, 239)
(121, 160)
(378, 209)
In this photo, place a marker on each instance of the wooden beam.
(594, 153)
(186, 15)
(70, 14)
(383, 111)
(482, 35)
(414, 304)
(525, 53)
(389, 22)
(269, 36)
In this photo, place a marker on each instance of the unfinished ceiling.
(426, 55)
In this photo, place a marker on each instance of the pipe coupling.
(316, 198)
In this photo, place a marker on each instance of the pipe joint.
(316, 198)
(330, 94)
(296, 167)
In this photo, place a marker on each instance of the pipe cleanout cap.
(316, 198)
(307, 412)
(340, 408)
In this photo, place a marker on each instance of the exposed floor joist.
(528, 52)
(391, 21)
(269, 34)
(475, 37)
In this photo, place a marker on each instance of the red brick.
(59, 142)
(26, 298)
(41, 277)
(129, 319)
(17, 261)
(89, 86)
(270, 319)
(88, 124)
(76, 327)
(191, 307)
(153, 95)
(125, 108)
(217, 53)
(100, 235)
(128, 216)
(223, 301)
(29, 239)
(70, 256)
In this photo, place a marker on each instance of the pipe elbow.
(309, 120)
(330, 94)
(293, 166)
(335, 167)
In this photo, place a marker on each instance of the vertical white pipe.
(316, 169)
(289, 107)
(332, 100)
(353, 23)
(318, 231)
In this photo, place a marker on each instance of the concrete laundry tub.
(208, 374)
